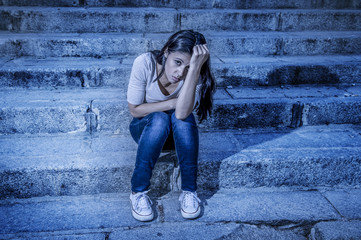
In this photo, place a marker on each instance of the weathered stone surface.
(243, 113)
(69, 235)
(262, 232)
(74, 181)
(72, 165)
(323, 45)
(303, 157)
(337, 230)
(177, 231)
(324, 111)
(320, 20)
(112, 116)
(80, 20)
(223, 20)
(49, 111)
(37, 118)
(291, 167)
(84, 164)
(144, 20)
(66, 213)
(279, 4)
(228, 71)
(276, 208)
(286, 4)
(63, 164)
(64, 73)
(347, 202)
(109, 216)
(220, 43)
(306, 137)
(106, 110)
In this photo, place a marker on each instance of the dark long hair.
(184, 41)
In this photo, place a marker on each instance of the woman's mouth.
(175, 79)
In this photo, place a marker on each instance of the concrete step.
(254, 214)
(285, 106)
(233, 71)
(220, 43)
(309, 157)
(240, 4)
(74, 164)
(70, 111)
(160, 20)
(105, 110)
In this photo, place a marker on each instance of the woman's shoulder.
(145, 58)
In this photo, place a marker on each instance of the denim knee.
(157, 121)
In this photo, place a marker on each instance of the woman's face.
(176, 66)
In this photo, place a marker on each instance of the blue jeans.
(151, 132)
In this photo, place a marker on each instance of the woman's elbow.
(133, 111)
(134, 115)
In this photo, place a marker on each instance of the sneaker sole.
(142, 218)
(191, 215)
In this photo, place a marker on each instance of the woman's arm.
(185, 102)
(144, 109)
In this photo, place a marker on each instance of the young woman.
(165, 87)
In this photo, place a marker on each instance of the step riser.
(115, 118)
(70, 78)
(43, 119)
(147, 21)
(78, 181)
(279, 114)
(73, 182)
(250, 173)
(94, 164)
(302, 4)
(115, 46)
(306, 157)
(226, 75)
(296, 168)
(53, 20)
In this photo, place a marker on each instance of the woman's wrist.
(173, 103)
(194, 68)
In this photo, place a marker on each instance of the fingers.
(200, 54)
(201, 49)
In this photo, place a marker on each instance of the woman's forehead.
(181, 55)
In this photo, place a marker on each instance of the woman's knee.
(158, 123)
(189, 122)
(159, 119)
(185, 134)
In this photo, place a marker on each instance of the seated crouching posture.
(165, 87)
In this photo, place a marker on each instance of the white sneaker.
(141, 206)
(190, 207)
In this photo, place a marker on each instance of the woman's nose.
(181, 71)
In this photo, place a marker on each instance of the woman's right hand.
(199, 56)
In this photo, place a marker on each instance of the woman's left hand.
(199, 56)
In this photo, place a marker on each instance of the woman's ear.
(166, 52)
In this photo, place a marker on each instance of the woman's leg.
(185, 133)
(150, 132)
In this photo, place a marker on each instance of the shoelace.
(190, 198)
(142, 201)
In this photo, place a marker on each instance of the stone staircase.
(287, 109)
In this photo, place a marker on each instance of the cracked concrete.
(228, 214)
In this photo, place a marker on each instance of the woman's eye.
(178, 63)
